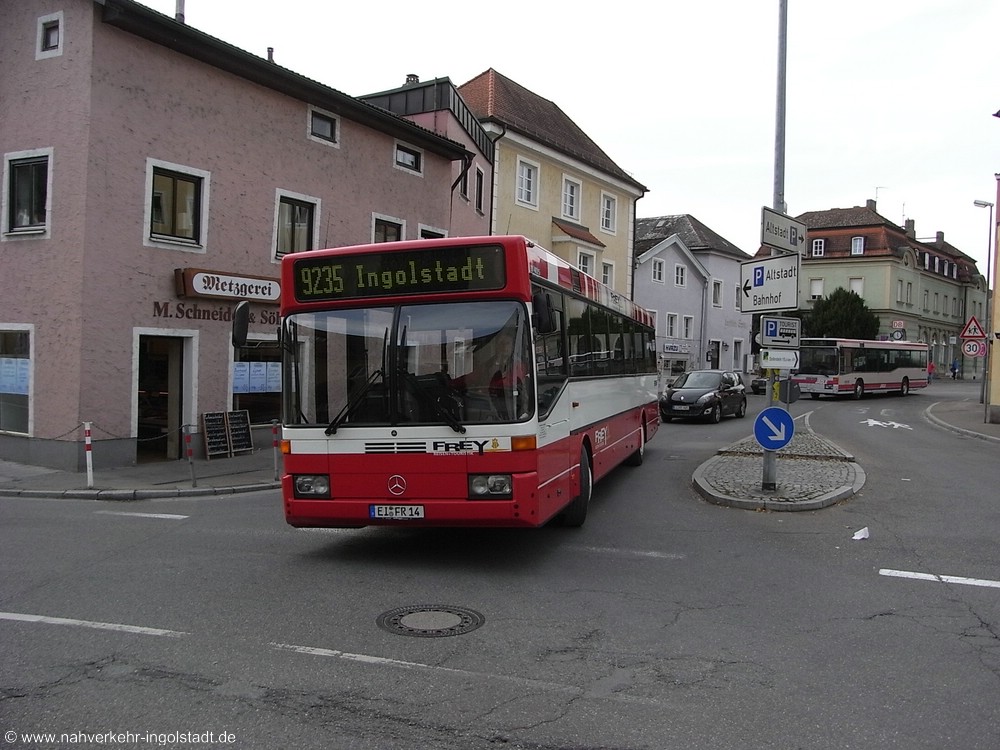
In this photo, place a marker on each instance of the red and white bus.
(853, 367)
(456, 382)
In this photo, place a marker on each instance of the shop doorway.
(160, 397)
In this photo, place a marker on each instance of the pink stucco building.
(153, 176)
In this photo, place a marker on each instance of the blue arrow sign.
(773, 428)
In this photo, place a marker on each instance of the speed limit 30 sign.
(974, 348)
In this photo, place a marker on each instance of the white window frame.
(717, 293)
(391, 219)
(310, 111)
(480, 189)
(815, 289)
(658, 268)
(317, 208)
(671, 326)
(572, 194)
(680, 275)
(609, 213)
(44, 21)
(608, 273)
(856, 284)
(421, 228)
(165, 243)
(818, 248)
(589, 259)
(406, 148)
(857, 245)
(36, 232)
(527, 197)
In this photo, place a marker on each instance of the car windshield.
(698, 380)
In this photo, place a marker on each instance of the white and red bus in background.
(473, 381)
(853, 367)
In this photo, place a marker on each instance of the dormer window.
(818, 248)
(857, 245)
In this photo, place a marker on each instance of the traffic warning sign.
(973, 330)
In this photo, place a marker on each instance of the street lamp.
(984, 399)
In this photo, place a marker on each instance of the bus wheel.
(576, 513)
(905, 389)
(636, 458)
(859, 388)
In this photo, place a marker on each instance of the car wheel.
(741, 410)
(715, 416)
(576, 513)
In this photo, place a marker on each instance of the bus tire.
(576, 512)
(637, 456)
(859, 389)
(905, 388)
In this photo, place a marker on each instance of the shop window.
(257, 381)
(15, 377)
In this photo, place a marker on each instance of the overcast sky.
(886, 99)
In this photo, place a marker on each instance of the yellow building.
(553, 184)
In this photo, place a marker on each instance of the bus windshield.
(819, 360)
(452, 363)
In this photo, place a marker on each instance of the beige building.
(553, 184)
(921, 290)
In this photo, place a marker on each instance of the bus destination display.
(431, 271)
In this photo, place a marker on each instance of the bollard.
(190, 457)
(274, 447)
(90, 457)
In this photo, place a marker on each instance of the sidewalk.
(246, 472)
(811, 473)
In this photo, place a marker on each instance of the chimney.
(940, 238)
(910, 228)
(870, 204)
(179, 11)
(412, 78)
(270, 54)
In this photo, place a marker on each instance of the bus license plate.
(396, 511)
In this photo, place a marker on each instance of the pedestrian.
(930, 371)
(954, 369)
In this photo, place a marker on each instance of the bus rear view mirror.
(544, 320)
(241, 323)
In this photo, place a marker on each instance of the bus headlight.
(311, 485)
(490, 486)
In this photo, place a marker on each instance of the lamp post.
(985, 400)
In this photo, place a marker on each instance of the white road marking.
(380, 660)
(939, 579)
(19, 617)
(170, 516)
(626, 552)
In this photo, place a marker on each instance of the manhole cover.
(430, 620)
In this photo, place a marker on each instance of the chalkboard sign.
(240, 437)
(216, 433)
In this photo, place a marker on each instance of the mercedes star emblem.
(397, 485)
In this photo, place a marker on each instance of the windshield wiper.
(427, 398)
(352, 403)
